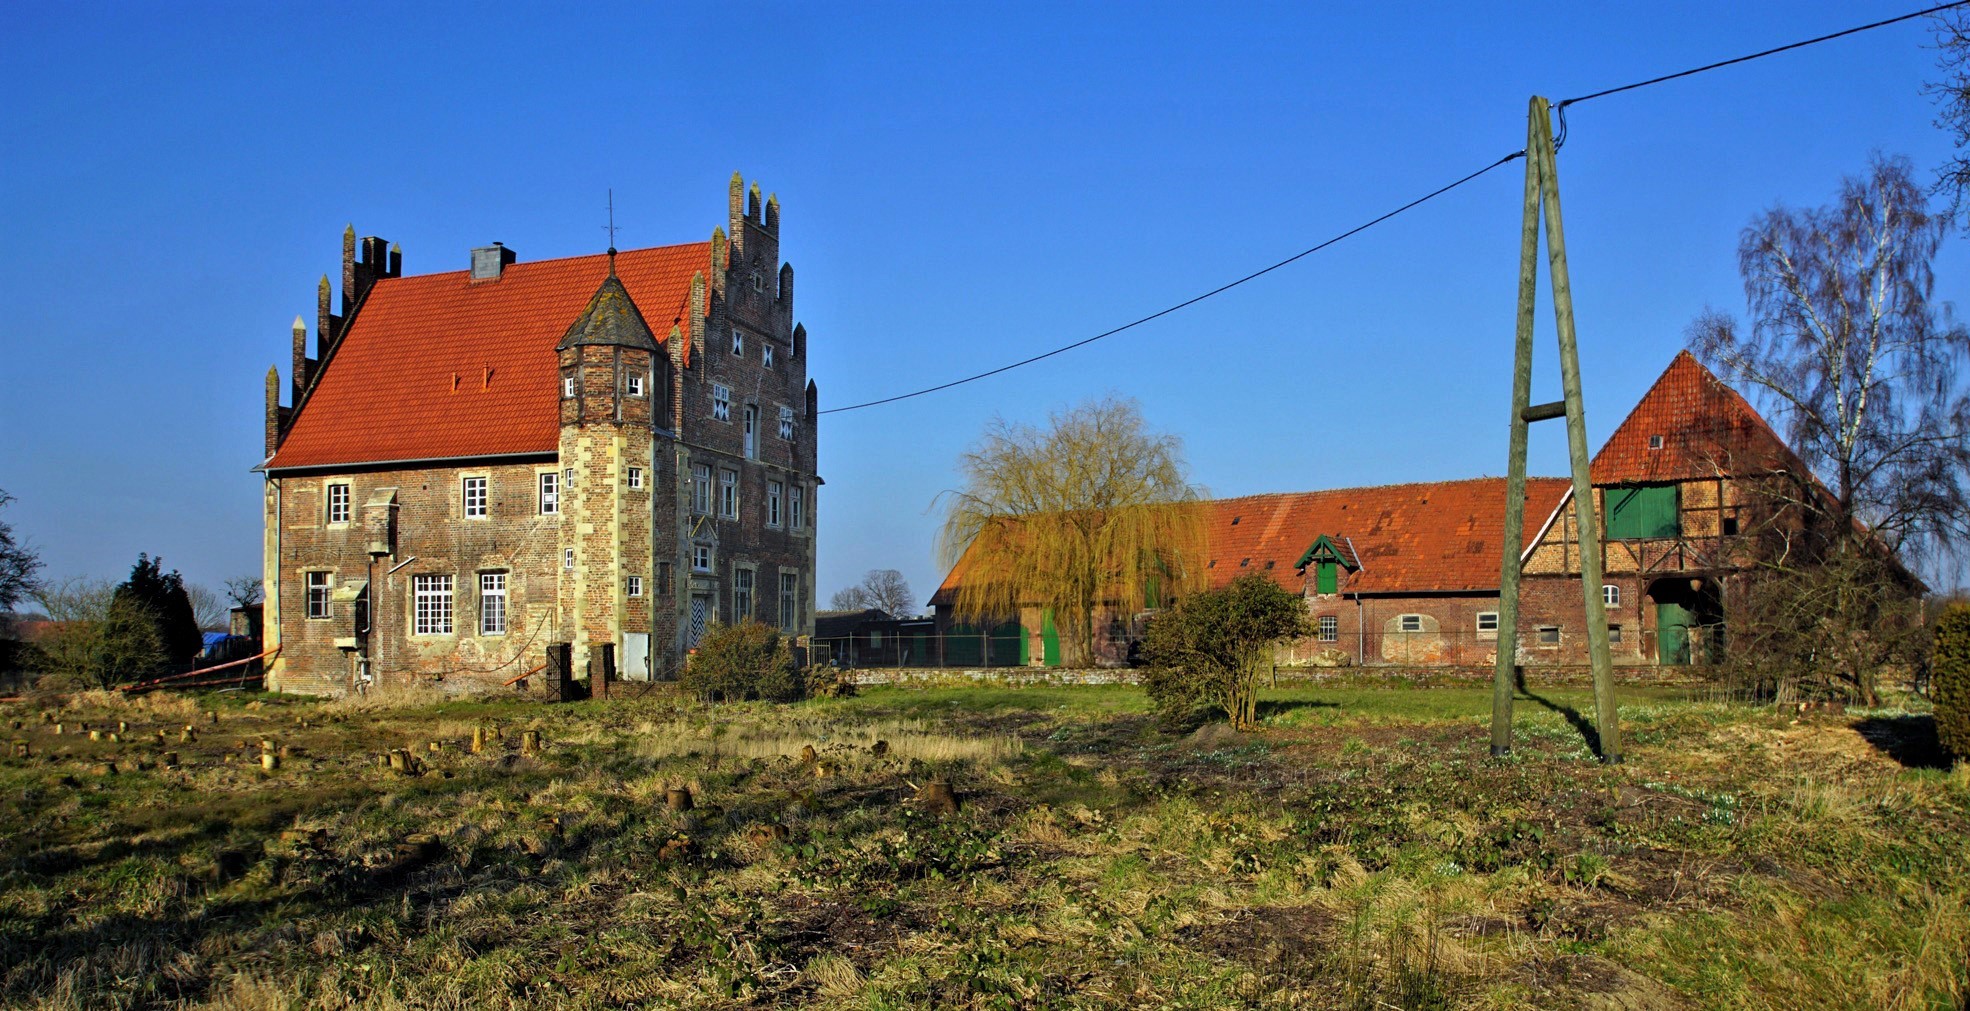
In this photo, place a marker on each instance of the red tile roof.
(439, 366)
(1706, 427)
(1410, 538)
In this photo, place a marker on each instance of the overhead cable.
(1559, 108)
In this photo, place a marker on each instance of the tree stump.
(188, 736)
(95, 735)
(400, 761)
(158, 737)
(169, 759)
(436, 746)
(938, 797)
(478, 740)
(122, 726)
(21, 749)
(115, 738)
(103, 769)
(211, 716)
(879, 749)
(269, 761)
(58, 730)
(268, 745)
(678, 799)
(807, 754)
(530, 742)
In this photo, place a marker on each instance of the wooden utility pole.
(1542, 192)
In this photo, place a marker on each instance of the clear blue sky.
(962, 185)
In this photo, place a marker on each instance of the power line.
(1560, 108)
(1769, 52)
(1425, 198)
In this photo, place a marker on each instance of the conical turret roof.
(611, 319)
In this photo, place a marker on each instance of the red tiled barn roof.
(1410, 538)
(1707, 429)
(439, 366)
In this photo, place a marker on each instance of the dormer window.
(1655, 442)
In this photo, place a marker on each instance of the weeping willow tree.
(1091, 511)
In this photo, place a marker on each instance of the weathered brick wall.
(430, 528)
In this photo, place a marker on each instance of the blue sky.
(962, 186)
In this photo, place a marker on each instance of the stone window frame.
(568, 559)
(703, 557)
(728, 493)
(570, 384)
(1328, 628)
(633, 383)
(721, 403)
(327, 594)
(776, 493)
(789, 599)
(1613, 634)
(465, 496)
(439, 617)
(334, 505)
(750, 589)
(1484, 632)
(547, 492)
(797, 505)
(488, 593)
(1541, 636)
(701, 482)
(786, 424)
(633, 586)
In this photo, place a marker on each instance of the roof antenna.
(611, 229)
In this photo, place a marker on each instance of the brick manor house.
(606, 451)
(1408, 574)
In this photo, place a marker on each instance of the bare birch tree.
(1852, 357)
(1092, 511)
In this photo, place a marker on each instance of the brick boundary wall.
(1566, 675)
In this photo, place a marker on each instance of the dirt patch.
(1588, 983)
(1265, 935)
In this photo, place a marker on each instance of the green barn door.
(1049, 640)
(1672, 634)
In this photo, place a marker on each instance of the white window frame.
(1539, 635)
(1482, 626)
(570, 385)
(431, 604)
(633, 384)
(1329, 627)
(700, 558)
(797, 508)
(492, 603)
(1655, 442)
(789, 600)
(633, 586)
(1610, 595)
(568, 559)
(752, 431)
(634, 477)
(721, 402)
(1404, 621)
(728, 493)
(786, 424)
(322, 593)
(766, 354)
(336, 497)
(775, 495)
(567, 477)
(547, 489)
(701, 489)
(484, 504)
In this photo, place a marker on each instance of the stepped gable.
(439, 366)
(1706, 430)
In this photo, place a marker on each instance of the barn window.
(1410, 623)
(1330, 628)
(1549, 635)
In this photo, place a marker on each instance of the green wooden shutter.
(1326, 579)
(1642, 511)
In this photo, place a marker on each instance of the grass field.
(1361, 852)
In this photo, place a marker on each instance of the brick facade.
(589, 539)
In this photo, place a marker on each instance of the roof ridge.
(531, 264)
(1379, 487)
